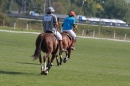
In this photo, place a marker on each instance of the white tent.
(96, 20)
(81, 17)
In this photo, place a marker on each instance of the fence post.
(125, 37)
(30, 24)
(114, 35)
(99, 32)
(14, 25)
(83, 33)
(87, 31)
(94, 33)
(27, 27)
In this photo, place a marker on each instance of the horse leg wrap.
(45, 66)
(67, 58)
(60, 56)
(41, 67)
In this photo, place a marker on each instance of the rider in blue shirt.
(69, 25)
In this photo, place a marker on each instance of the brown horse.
(47, 43)
(67, 41)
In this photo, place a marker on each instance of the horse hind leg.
(61, 59)
(54, 55)
(44, 71)
(40, 60)
(46, 67)
(67, 56)
(59, 63)
(69, 53)
(42, 65)
(49, 65)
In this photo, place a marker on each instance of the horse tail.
(38, 46)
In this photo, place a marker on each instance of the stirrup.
(72, 48)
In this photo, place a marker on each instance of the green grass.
(93, 63)
(18, 29)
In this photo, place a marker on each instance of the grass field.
(93, 63)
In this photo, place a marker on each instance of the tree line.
(118, 9)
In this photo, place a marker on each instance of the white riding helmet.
(50, 9)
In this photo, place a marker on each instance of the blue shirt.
(68, 23)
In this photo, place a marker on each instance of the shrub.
(3, 19)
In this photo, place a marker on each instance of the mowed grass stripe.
(93, 63)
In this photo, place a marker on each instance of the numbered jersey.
(49, 21)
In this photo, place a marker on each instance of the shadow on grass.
(10, 72)
(32, 63)
(28, 63)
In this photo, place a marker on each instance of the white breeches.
(58, 35)
(71, 32)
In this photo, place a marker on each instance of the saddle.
(70, 37)
(52, 34)
(48, 32)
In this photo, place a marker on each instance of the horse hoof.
(44, 72)
(60, 63)
(64, 60)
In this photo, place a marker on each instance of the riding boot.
(61, 46)
(72, 45)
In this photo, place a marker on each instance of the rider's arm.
(57, 25)
(55, 21)
(74, 25)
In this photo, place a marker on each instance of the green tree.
(60, 10)
(89, 8)
(116, 9)
(3, 19)
(4, 5)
